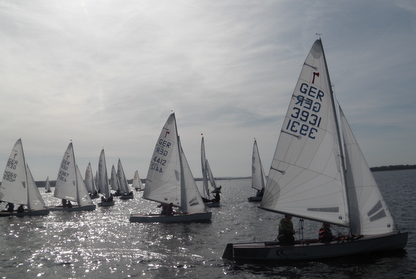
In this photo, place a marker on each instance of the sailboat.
(137, 183)
(90, 182)
(47, 185)
(257, 175)
(70, 185)
(107, 199)
(319, 173)
(114, 182)
(170, 181)
(18, 186)
(122, 180)
(208, 179)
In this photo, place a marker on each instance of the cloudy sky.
(107, 74)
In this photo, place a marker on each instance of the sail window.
(325, 209)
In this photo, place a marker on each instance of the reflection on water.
(104, 244)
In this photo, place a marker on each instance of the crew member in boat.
(169, 209)
(286, 231)
(325, 233)
(21, 208)
(10, 207)
(217, 197)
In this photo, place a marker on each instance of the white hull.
(273, 252)
(38, 212)
(74, 208)
(177, 218)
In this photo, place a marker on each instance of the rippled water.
(104, 244)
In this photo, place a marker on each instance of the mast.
(342, 158)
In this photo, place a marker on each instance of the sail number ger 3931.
(304, 117)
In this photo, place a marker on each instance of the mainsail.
(137, 183)
(14, 184)
(169, 179)
(69, 184)
(257, 172)
(66, 187)
(102, 176)
(121, 177)
(306, 177)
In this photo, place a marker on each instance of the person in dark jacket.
(325, 233)
(286, 231)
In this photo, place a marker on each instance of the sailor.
(325, 233)
(286, 231)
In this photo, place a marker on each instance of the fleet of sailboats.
(170, 181)
(319, 173)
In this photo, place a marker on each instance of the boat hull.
(273, 252)
(106, 203)
(177, 218)
(74, 208)
(255, 199)
(126, 197)
(40, 212)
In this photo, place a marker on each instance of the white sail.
(306, 177)
(14, 185)
(102, 176)
(83, 198)
(369, 213)
(137, 183)
(35, 200)
(47, 185)
(205, 189)
(114, 182)
(257, 172)
(121, 177)
(191, 201)
(210, 176)
(66, 187)
(169, 179)
(89, 179)
(207, 176)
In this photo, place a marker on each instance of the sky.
(107, 74)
